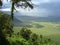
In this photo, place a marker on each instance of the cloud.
(54, 8)
(6, 9)
(39, 1)
(42, 8)
(54, 0)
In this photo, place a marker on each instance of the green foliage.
(26, 37)
(3, 40)
(25, 33)
(25, 4)
(17, 43)
(20, 3)
(2, 21)
(5, 24)
(1, 3)
(34, 37)
(50, 30)
(38, 26)
(8, 25)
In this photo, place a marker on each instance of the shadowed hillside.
(17, 22)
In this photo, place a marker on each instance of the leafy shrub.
(25, 33)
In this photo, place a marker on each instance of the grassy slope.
(51, 30)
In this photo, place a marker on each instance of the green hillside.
(47, 29)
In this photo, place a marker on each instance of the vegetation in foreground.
(26, 37)
(47, 29)
(23, 37)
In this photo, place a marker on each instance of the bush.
(34, 37)
(25, 33)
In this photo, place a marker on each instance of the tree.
(33, 39)
(25, 33)
(1, 3)
(17, 3)
(3, 40)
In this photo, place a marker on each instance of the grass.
(50, 30)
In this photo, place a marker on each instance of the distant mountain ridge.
(48, 19)
(19, 14)
(15, 20)
(39, 19)
(21, 18)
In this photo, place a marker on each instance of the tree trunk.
(12, 11)
(12, 18)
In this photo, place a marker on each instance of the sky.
(42, 8)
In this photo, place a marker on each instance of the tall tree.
(1, 3)
(16, 3)
(3, 40)
(19, 3)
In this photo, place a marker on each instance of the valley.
(48, 29)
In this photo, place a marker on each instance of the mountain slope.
(6, 16)
(17, 22)
(39, 19)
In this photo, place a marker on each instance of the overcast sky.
(42, 8)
